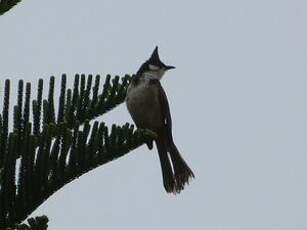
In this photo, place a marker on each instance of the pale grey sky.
(237, 99)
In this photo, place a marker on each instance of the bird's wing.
(165, 110)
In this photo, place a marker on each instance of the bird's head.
(154, 67)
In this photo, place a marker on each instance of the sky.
(237, 97)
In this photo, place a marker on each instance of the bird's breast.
(143, 104)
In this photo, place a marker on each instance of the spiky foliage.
(6, 5)
(37, 223)
(83, 102)
(54, 147)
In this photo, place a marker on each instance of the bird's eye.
(153, 67)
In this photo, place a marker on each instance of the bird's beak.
(168, 67)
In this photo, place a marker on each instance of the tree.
(55, 147)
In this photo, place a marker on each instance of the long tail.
(183, 173)
(167, 172)
(176, 173)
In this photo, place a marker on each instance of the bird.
(148, 106)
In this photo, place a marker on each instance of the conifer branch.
(46, 169)
(55, 148)
(83, 102)
(37, 223)
(6, 5)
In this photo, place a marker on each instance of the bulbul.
(148, 106)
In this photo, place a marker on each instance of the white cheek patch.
(153, 67)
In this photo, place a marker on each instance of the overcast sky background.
(238, 99)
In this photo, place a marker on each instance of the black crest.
(153, 60)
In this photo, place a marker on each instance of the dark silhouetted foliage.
(48, 146)
(6, 5)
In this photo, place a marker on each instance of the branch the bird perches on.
(54, 147)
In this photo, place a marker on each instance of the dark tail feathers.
(183, 173)
(167, 173)
(176, 173)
